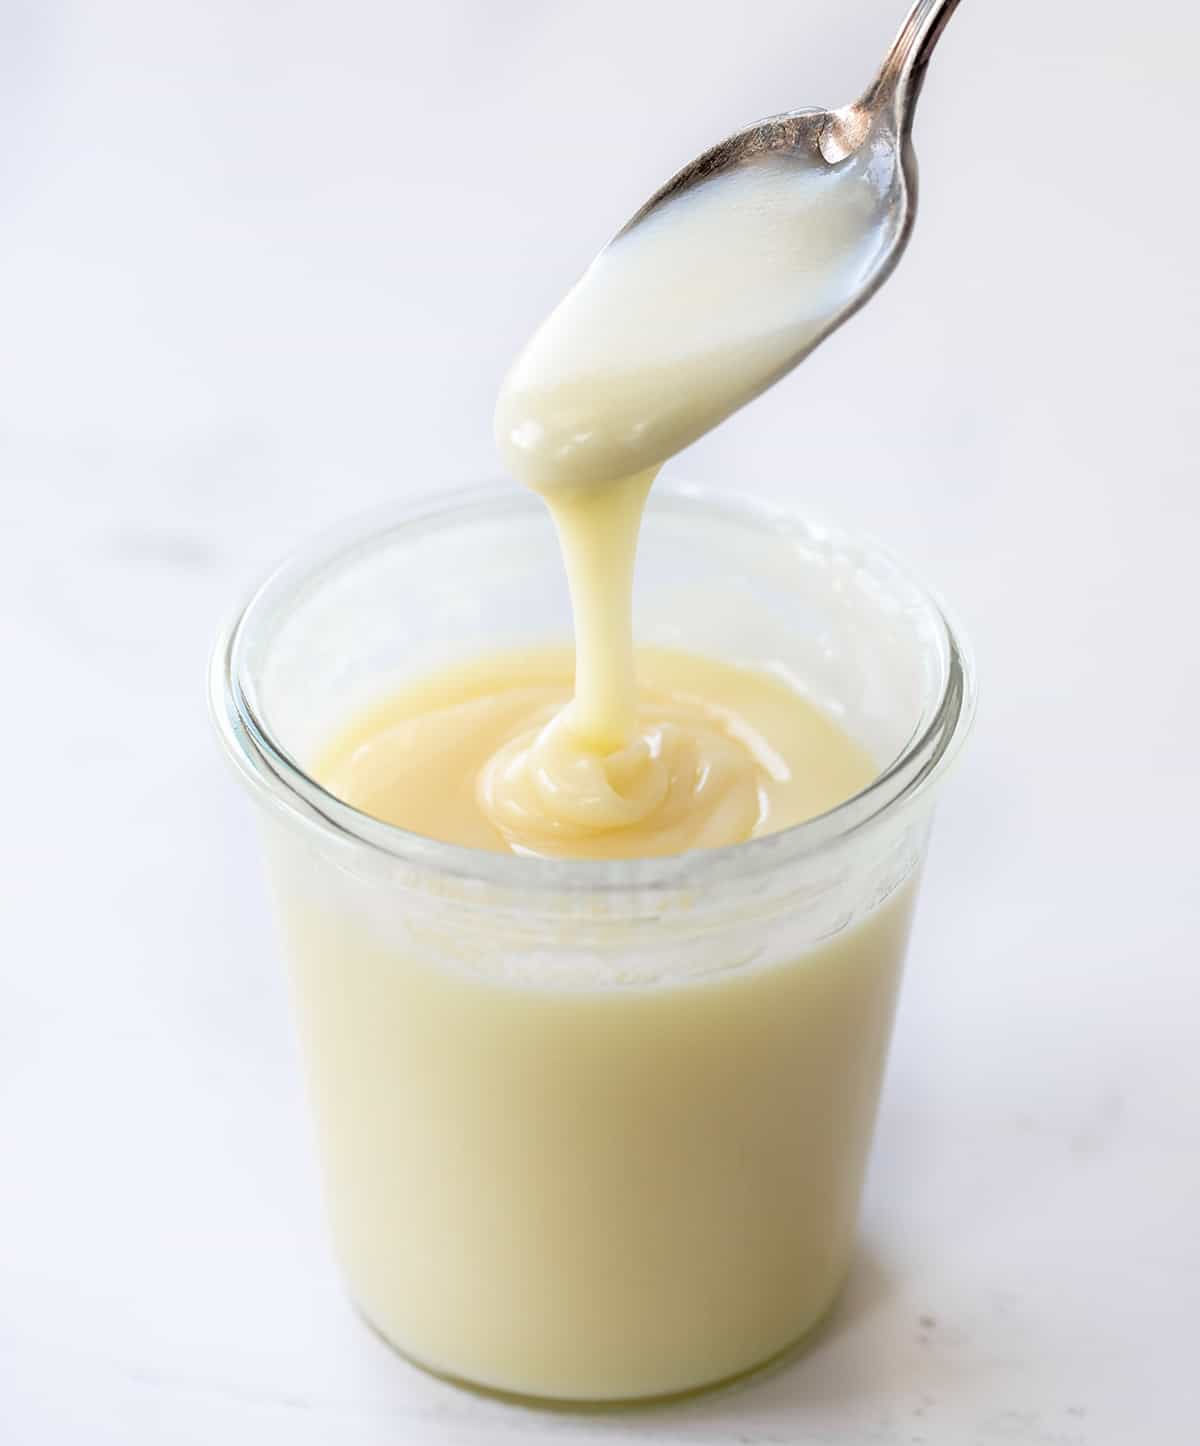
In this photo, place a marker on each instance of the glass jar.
(593, 1131)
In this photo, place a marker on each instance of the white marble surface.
(261, 266)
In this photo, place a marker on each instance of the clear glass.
(593, 1131)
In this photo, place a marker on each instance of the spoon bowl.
(879, 123)
(726, 279)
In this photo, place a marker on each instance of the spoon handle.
(899, 80)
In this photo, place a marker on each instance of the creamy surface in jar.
(715, 751)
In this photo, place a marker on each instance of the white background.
(262, 265)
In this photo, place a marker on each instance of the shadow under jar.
(593, 1131)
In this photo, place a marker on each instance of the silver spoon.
(557, 423)
(880, 120)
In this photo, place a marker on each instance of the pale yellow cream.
(676, 323)
(559, 1186)
(589, 1156)
(481, 756)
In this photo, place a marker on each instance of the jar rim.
(282, 782)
